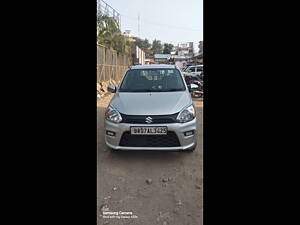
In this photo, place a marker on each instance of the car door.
(199, 70)
(192, 70)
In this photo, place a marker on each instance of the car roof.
(153, 66)
(195, 65)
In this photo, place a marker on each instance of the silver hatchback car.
(152, 109)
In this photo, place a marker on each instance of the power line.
(160, 24)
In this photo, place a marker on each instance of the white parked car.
(193, 70)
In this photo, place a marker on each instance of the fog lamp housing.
(110, 133)
(189, 133)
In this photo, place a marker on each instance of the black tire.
(191, 149)
(111, 149)
(196, 95)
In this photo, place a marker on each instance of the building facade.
(185, 49)
(162, 58)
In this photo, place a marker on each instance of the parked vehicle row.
(194, 71)
(194, 75)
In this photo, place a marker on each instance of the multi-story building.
(184, 49)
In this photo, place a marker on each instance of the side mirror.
(194, 86)
(112, 88)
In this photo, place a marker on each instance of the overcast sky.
(172, 21)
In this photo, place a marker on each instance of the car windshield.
(152, 80)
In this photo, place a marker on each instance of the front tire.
(191, 149)
(111, 149)
(196, 94)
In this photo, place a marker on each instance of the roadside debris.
(103, 207)
(149, 181)
(165, 180)
(179, 203)
(108, 197)
(164, 217)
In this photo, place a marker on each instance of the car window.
(151, 80)
(192, 69)
(199, 68)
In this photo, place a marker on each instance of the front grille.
(138, 119)
(169, 140)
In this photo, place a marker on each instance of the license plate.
(148, 130)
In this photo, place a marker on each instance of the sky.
(171, 21)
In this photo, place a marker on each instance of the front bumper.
(186, 142)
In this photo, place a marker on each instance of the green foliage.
(157, 47)
(144, 45)
(109, 35)
(168, 48)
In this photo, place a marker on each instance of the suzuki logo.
(148, 119)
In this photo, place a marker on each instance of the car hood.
(154, 103)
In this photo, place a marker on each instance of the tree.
(168, 48)
(144, 45)
(157, 47)
(107, 29)
(109, 35)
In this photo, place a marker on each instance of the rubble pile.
(102, 87)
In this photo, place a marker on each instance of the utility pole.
(139, 25)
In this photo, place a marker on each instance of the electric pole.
(139, 25)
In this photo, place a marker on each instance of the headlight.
(113, 115)
(186, 115)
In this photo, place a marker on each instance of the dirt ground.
(149, 188)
